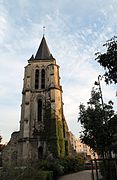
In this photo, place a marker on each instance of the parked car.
(88, 165)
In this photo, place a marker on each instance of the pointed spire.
(43, 51)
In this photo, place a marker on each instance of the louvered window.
(39, 110)
(37, 79)
(42, 79)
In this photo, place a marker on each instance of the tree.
(1, 145)
(97, 132)
(109, 60)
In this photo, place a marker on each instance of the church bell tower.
(42, 127)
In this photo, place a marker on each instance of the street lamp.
(102, 102)
(97, 83)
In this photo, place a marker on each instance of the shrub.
(72, 164)
(51, 165)
(28, 173)
(49, 169)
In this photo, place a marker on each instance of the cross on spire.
(43, 30)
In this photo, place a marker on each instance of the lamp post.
(98, 84)
(108, 134)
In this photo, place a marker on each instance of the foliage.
(109, 60)
(54, 132)
(50, 165)
(72, 164)
(108, 169)
(49, 169)
(25, 173)
(0, 139)
(95, 120)
(2, 147)
(62, 166)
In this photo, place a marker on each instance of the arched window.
(39, 110)
(37, 79)
(42, 79)
(40, 152)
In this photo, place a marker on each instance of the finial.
(43, 30)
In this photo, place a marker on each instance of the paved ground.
(82, 175)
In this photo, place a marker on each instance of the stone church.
(43, 129)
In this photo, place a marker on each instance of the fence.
(105, 169)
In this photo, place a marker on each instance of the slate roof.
(43, 52)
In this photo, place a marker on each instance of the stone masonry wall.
(9, 155)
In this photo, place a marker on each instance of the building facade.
(77, 147)
(43, 129)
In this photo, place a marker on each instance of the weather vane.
(43, 30)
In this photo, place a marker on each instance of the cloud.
(74, 32)
(3, 23)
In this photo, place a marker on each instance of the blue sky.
(75, 30)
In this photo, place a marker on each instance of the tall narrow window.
(39, 110)
(42, 79)
(37, 79)
(40, 152)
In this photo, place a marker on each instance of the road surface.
(82, 175)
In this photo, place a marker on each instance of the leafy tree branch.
(108, 60)
(95, 119)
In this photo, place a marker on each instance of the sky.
(75, 31)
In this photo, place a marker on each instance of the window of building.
(40, 152)
(39, 110)
(37, 79)
(42, 79)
